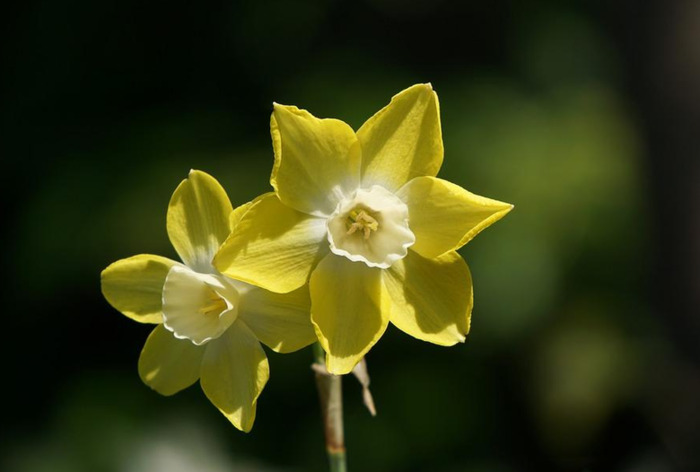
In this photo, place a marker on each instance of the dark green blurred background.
(583, 353)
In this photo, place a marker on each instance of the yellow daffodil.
(362, 215)
(209, 325)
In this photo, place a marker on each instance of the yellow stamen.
(215, 304)
(361, 221)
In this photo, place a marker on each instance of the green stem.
(330, 395)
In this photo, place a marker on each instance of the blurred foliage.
(111, 103)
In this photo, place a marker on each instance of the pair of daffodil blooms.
(358, 233)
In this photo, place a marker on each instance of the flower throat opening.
(214, 304)
(361, 220)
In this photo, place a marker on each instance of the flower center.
(213, 303)
(370, 226)
(198, 307)
(360, 220)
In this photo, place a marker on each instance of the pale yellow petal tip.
(237, 423)
(279, 109)
(502, 208)
(276, 107)
(340, 368)
(158, 390)
(246, 428)
(342, 365)
(425, 87)
(198, 174)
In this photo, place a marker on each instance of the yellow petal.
(238, 212)
(198, 219)
(134, 286)
(168, 364)
(281, 321)
(431, 299)
(402, 140)
(349, 310)
(274, 246)
(315, 160)
(444, 217)
(234, 372)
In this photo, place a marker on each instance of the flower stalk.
(330, 393)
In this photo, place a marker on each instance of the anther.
(215, 304)
(361, 221)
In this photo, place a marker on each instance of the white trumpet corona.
(198, 307)
(370, 226)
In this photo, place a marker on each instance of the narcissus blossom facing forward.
(208, 325)
(363, 217)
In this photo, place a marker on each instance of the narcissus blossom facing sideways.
(363, 217)
(208, 325)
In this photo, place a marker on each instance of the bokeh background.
(584, 350)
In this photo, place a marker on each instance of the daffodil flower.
(363, 217)
(208, 325)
